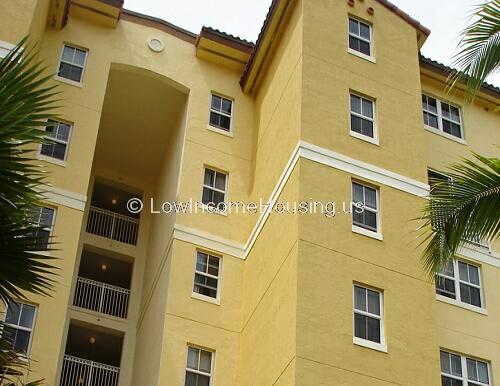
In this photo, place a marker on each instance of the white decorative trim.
(362, 169)
(209, 241)
(367, 232)
(204, 298)
(369, 344)
(460, 304)
(480, 254)
(64, 197)
(316, 154)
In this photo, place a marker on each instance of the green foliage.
(478, 53)
(466, 206)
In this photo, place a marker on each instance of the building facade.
(333, 104)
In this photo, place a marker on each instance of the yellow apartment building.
(333, 104)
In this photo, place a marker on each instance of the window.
(199, 367)
(214, 189)
(458, 370)
(460, 280)
(360, 37)
(18, 328)
(220, 113)
(5, 48)
(367, 314)
(442, 116)
(365, 207)
(58, 133)
(206, 277)
(362, 116)
(72, 63)
(44, 218)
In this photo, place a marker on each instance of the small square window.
(42, 217)
(207, 274)
(214, 189)
(362, 114)
(367, 314)
(365, 207)
(72, 63)
(18, 328)
(199, 367)
(221, 110)
(461, 281)
(360, 37)
(457, 370)
(58, 133)
(441, 116)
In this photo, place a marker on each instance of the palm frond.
(467, 205)
(478, 53)
(27, 102)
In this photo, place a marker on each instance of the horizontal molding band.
(64, 197)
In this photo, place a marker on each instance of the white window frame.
(382, 346)
(458, 296)
(370, 57)
(50, 229)
(66, 80)
(57, 161)
(199, 296)
(212, 363)
(439, 130)
(18, 327)
(5, 48)
(353, 133)
(225, 191)
(465, 376)
(359, 229)
(218, 129)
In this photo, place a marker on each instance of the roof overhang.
(104, 12)
(218, 47)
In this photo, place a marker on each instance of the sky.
(244, 18)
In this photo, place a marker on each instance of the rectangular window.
(360, 37)
(206, 277)
(72, 63)
(44, 218)
(457, 370)
(442, 116)
(365, 206)
(367, 314)
(362, 115)
(18, 328)
(460, 281)
(214, 189)
(58, 133)
(221, 113)
(199, 367)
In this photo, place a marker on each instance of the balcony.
(92, 356)
(109, 217)
(103, 284)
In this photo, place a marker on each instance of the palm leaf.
(467, 205)
(478, 53)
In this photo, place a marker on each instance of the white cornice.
(317, 154)
(64, 197)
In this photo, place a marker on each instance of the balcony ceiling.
(140, 112)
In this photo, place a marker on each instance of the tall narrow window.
(206, 277)
(18, 328)
(460, 281)
(72, 63)
(58, 133)
(362, 116)
(44, 218)
(360, 37)
(214, 188)
(365, 207)
(221, 110)
(457, 370)
(442, 116)
(199, 367)
(367, 314)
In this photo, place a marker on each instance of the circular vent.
(156, 45)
